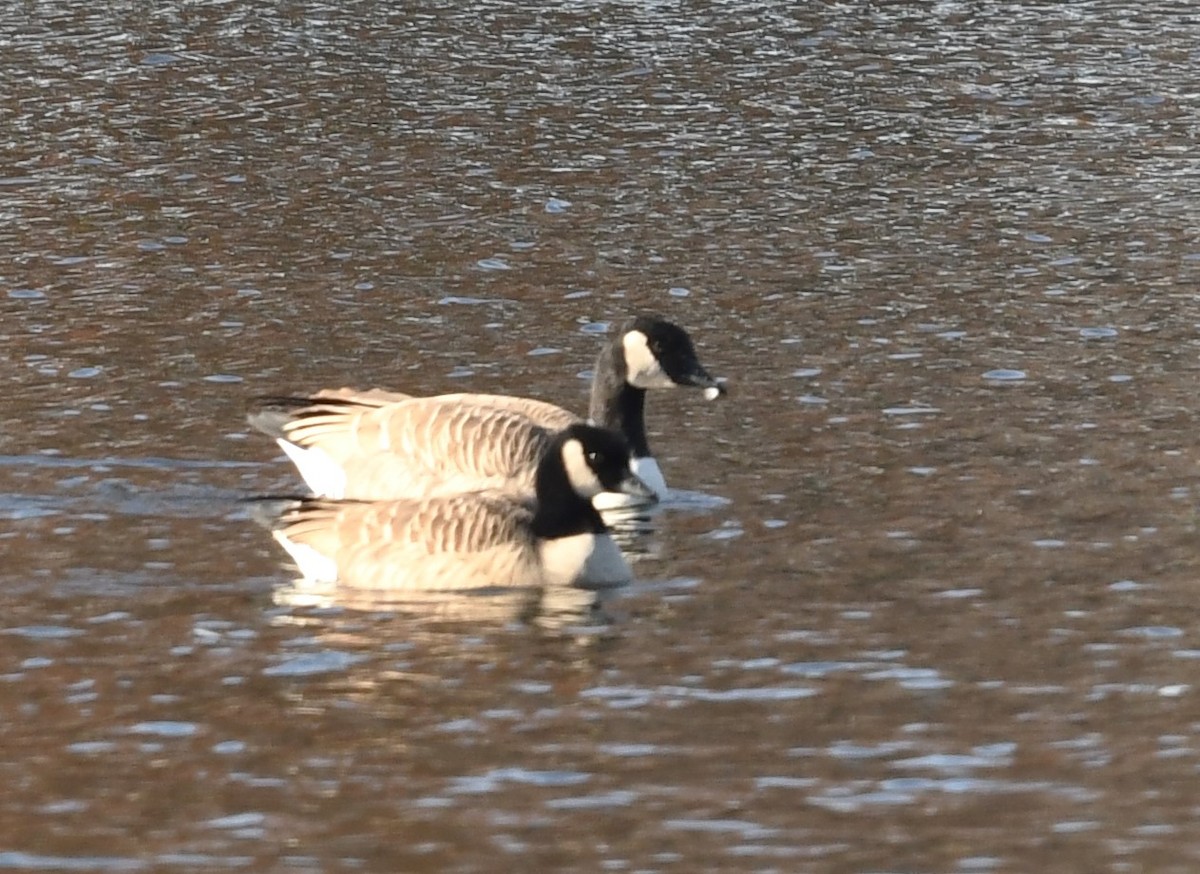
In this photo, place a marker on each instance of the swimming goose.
(476, 539)
(415, 448)
(375, 444)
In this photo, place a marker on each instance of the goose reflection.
(554, 608)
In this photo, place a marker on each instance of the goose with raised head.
(376, 444)
(476, 539)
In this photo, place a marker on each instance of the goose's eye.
(595, 458)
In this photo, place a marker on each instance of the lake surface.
(929, 602)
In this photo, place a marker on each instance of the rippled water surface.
(929, 600)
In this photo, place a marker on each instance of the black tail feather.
(271, 413)
(266, 510)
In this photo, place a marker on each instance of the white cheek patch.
(580, 474)
(643, 369)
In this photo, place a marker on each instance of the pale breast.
(605, 566)
(593, 560)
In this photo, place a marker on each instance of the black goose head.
(659, 354)
(597, 460)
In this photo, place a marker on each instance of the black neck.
(615, 403)
(561, 511)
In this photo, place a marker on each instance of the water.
(923, 598)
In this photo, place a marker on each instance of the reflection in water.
(633, 530)
(554, 607)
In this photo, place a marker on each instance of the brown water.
(947, 255)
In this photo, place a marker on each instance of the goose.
(473, 540)
(376, 444)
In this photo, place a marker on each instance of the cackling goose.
(375, 444)
(476, 539)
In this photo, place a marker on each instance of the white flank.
(326, 479)
(313, 565)
(642, 368)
